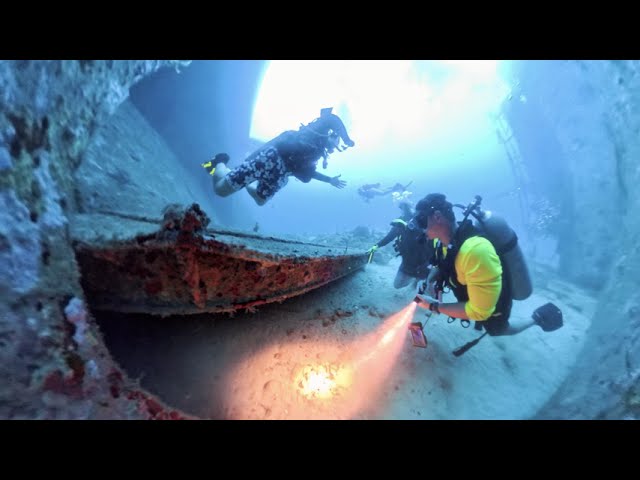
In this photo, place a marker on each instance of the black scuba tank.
(505, 241)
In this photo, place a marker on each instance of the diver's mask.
(334, 142)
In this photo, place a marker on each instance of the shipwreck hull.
(185, 271)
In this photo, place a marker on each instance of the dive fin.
(548, 316)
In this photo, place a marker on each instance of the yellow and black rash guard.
(478, 268)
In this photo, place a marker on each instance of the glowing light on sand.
(282, 382)
(323, 381)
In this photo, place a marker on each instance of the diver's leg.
(402, 279)
(498, 327)
(273, 177)
(227, 181)
(519, 327)
(253, 191)
(220, 184)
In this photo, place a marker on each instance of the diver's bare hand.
(336, 182)
(431, 282)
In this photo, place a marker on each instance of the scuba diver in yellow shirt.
(484, 278)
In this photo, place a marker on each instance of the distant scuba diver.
(483, 266)
(411, 244)
(290, 153)
(399, 188)
(371, 190)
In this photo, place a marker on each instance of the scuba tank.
(505, 241)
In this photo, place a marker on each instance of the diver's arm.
(431, 281)
(455, 310)
(319, 176)
(458, 310)
(393, 233)
(334, 181)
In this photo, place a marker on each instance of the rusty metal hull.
(189, 273)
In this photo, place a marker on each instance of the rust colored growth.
(154, 287)
(116, 383)
(176, 217)
(154, 409)
(57, 382)
(195, 272)
(76, 364)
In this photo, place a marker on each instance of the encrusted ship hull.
(182, 268)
